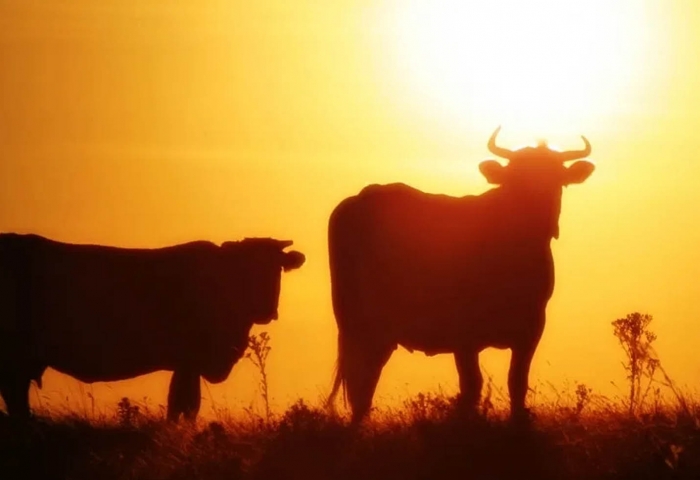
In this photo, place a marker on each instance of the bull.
(101, 313)
(442, 274)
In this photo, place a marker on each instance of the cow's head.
(534, 176)
(258, 264)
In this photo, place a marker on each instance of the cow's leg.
(184, 396)
(363, 367)
(192, 398)
(174, 397)
(14, 389)
(470, 380)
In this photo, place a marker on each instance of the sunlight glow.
(537, 65)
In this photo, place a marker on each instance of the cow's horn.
(501, 152)
(576, 154)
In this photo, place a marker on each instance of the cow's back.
(102, 313)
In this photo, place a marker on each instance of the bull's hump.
(395, 192)
(401, 192)
(385, 188)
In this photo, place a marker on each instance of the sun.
(538, 65)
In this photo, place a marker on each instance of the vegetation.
(577, 435)
(258, 350)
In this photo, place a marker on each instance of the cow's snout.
(265, 319)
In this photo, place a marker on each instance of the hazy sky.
(146, 123)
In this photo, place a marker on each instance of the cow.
(442, 274)
(102, 313)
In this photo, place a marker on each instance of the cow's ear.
(494, 172)
(578, 172)
(292, 260)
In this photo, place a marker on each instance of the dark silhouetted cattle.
(101, 313)
(442, 274)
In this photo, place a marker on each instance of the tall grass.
(425, 438)
(577, 434)
(258, 350)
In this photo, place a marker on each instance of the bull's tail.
(339, 377)
(341, 265)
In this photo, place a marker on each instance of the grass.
(576, 435)
(423, 440)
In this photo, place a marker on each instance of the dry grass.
(423, 440)
(576, 434)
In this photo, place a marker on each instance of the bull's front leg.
(519, 371)
(184, 395)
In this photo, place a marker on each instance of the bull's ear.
(494, 172)
(284, 243)
(578, 172)
(292, 260)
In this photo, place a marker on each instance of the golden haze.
(146, 124)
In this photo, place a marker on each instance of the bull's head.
(536, 165)
(535, 176)
(259, 264)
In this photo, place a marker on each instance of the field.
(591, 439)
(652, 432)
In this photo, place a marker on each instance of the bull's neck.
(527, 218)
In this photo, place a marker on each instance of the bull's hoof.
(468, 413)
(470, 416)
(522, 419)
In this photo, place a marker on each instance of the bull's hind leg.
(184, 395)
(470, 380)
(15, 392)
(364, 364)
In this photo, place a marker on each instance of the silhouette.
(100, 313)
(443, 274)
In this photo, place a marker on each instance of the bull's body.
(443, 274)
(102, 313)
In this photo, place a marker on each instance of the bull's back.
(393, 243)
(429, 264)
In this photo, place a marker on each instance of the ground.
(425, 439)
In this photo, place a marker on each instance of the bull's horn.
(576, 154)
(501, 152)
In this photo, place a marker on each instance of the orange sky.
(146, 123)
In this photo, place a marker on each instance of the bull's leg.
(184, 395)
(470, 380)
(520, 360)
(364, 364)
(15, 391)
